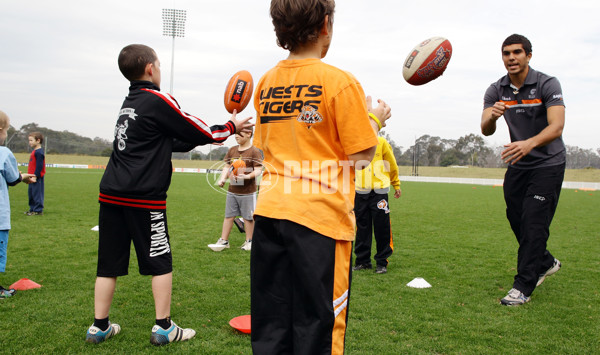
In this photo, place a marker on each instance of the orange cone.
(25, 284)
(241, 323)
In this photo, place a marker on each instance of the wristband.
(234, 127)
(372, 115)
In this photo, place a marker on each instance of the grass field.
(586, 175)
(455, 236)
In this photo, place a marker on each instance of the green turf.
(454, 236)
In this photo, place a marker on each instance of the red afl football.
(238, 91)
(427, 61)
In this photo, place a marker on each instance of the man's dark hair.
(298, 22)
(518, 39)
(133, 60)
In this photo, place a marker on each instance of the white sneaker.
(96, 335)
(554, 268)
(162, 336)
(514, 298)
(223, 242)
(247, 245)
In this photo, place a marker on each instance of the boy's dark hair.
(517, 39)
(298, 22)
(133, 60)
(37, 136)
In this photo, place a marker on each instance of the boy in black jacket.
(134, 187)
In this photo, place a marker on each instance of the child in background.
(241, 194)
(9, 176)
(372, 208)
(37, 166)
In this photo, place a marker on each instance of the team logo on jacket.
(383, 205)
(121, 134)
(309, 116)
(129, 112)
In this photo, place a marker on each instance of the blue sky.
(58, 59)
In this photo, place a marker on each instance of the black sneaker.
(380, 269)
(239, 224)
(362, 267)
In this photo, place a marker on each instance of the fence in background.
(579, 185)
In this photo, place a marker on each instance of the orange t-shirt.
(310, 117)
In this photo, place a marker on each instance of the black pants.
(299, 289)
(531, 198)
(372, 212)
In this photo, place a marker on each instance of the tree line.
(472, 150)
(57, 142)
(469, 150)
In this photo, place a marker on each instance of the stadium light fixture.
(173, 26)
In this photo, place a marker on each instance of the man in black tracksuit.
(133, 191)
(533, 108)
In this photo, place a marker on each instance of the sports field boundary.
(586, 186)
(578, 185)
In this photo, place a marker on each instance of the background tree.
(578, 158)
(451, 157)
(56, 142)
(397, 150)
(472, 148)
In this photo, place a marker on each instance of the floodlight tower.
(173, 26)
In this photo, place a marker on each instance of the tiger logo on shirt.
(309, 116)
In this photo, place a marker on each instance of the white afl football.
(427, 61)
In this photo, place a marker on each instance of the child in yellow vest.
(372, 208)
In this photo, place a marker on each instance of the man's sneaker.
(162, 336)
(554, 268)
(33, 213)
(247, 245)
(380, 269)
(96, 335)
(222, 241)
(514, 298)
(239, 223)
(362, 267)
(4, 293)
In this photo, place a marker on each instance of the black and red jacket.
(150, 127)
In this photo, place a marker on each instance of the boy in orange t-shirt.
(314, 129)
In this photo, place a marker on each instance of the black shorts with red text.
(147, 229)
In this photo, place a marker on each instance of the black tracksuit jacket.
(150, 127)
